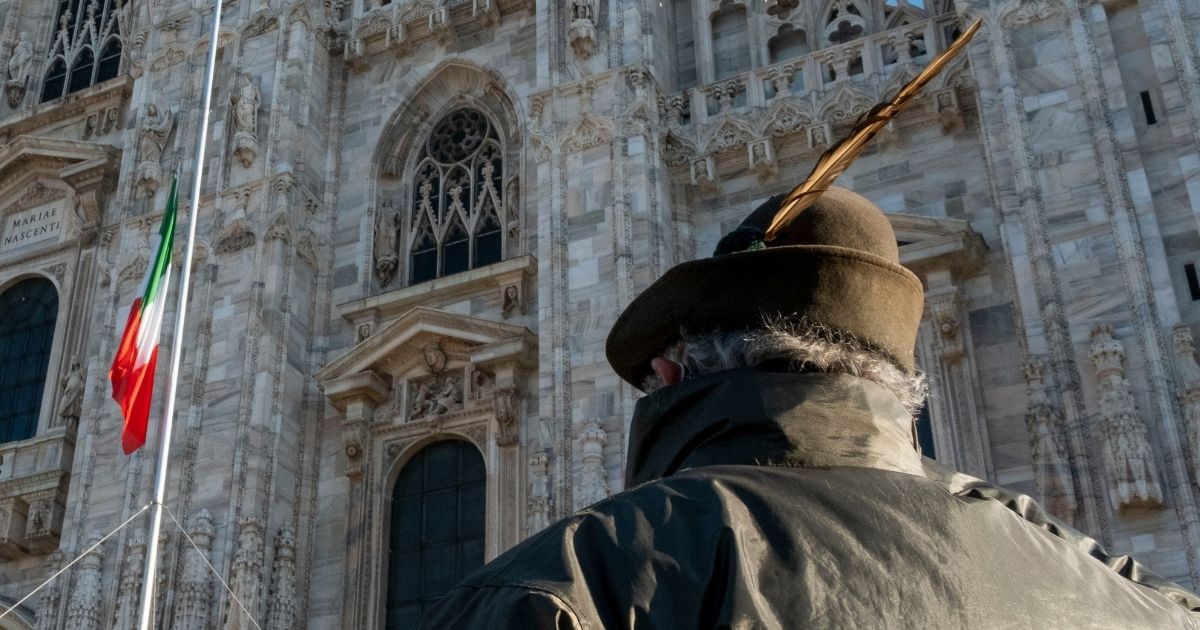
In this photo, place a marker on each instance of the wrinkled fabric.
(797, 501)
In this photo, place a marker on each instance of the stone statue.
(512, 301)
(448, 397)
(387, 228)
(72, 393)
(435, 359)
(152, 141)
(20, 60)
(421, 401)
(582, 10)
(245, 120)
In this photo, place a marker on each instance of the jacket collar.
(748, 416)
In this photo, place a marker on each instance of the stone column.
(131, 584)
(593, 483)
(1128, 459)
(246, 579)
(83, 611)
(194, 592)
(283, 590)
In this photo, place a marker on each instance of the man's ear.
(670, 372)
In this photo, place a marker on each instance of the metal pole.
(164, 435)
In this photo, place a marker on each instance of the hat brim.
(857, 294)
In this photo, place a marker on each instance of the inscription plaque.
(35, 225)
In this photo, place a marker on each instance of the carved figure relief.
(436, 395)
(19, 64)
(71, 399)
(762, 159)
(538, 513)
(194, 591)
(948, 111)
(245, 120)
(387, 253)
(593, 485)
(582, 30)
(505, 402)
(246, 579)
(1047, 439)
(512, 301)
(1128, 458)
(84, 607)
(152, 141)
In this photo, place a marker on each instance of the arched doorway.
(436, 536)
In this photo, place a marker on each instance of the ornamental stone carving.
(1047, 440)
(514, 302)
(593, 484)
(762, 159)
(704, 175)
(19, 64)
(48, 598)
(246, 579)
(1189, 391)
(944, 316)
(387, 231)
(245, 120)
(948, 111)
(131, 584)
(582, 31)
(283, 591)
(71, 399)
(539, 493)
(506, 403)
(436, 395)
(152, 141)
(83, 609)
(1128, 458)
(194, 592)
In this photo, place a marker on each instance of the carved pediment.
(931, 244)
(423, 342)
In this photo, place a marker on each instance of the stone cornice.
(75, 105)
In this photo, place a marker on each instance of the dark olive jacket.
(776, 500)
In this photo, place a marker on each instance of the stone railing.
(874, 58)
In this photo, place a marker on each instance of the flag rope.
(77, 559)
(211, 567)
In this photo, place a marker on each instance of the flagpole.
(164, 434)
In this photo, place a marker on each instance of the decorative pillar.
(283, 592)
(194, 591)
(1189, 392)
(1047, 442)
(1128, 458)
(593, 485)
(83, 610)
(47, 615)
(246, 579)
(131, 584)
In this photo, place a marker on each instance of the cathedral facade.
(420, 219)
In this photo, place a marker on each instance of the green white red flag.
(132, 372)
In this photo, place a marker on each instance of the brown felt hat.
(836, 264)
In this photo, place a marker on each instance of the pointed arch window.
(437, 528)
(86, 47)
(26, 333)
(458, 205)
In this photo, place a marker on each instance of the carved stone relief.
(246, 578)
(1047, 443)
(282, 615)
(193, 593)
(538, 511)
(131, 584)
(1189, 391)
(84, 607)
(1128, 458)
(152, 141)
(245, 101)
(387, 232)
(506, 404)
(581, 32)
(593, 484)
(514, 302)
(20, 63)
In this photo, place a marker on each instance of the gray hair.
(804, 346)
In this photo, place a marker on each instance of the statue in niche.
(582, 33)
(387, 227)
(582, 10)
(18, 70)
(70, 404)
(245, 120)
(152, 141)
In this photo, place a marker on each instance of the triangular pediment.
(401, 343)
(30, 154)
(932, 243)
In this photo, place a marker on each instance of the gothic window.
(844, 22)
(787, 43)
(26, 332)
(458, 209)
(731, 42)
(437, 528)
(86, 48)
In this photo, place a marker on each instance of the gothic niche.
(582, 30)
(245, 120)
(1128, 458)
(152, 140)
(19, 63)
(387, 231)
(440, 392)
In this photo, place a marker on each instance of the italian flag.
(132, 372)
